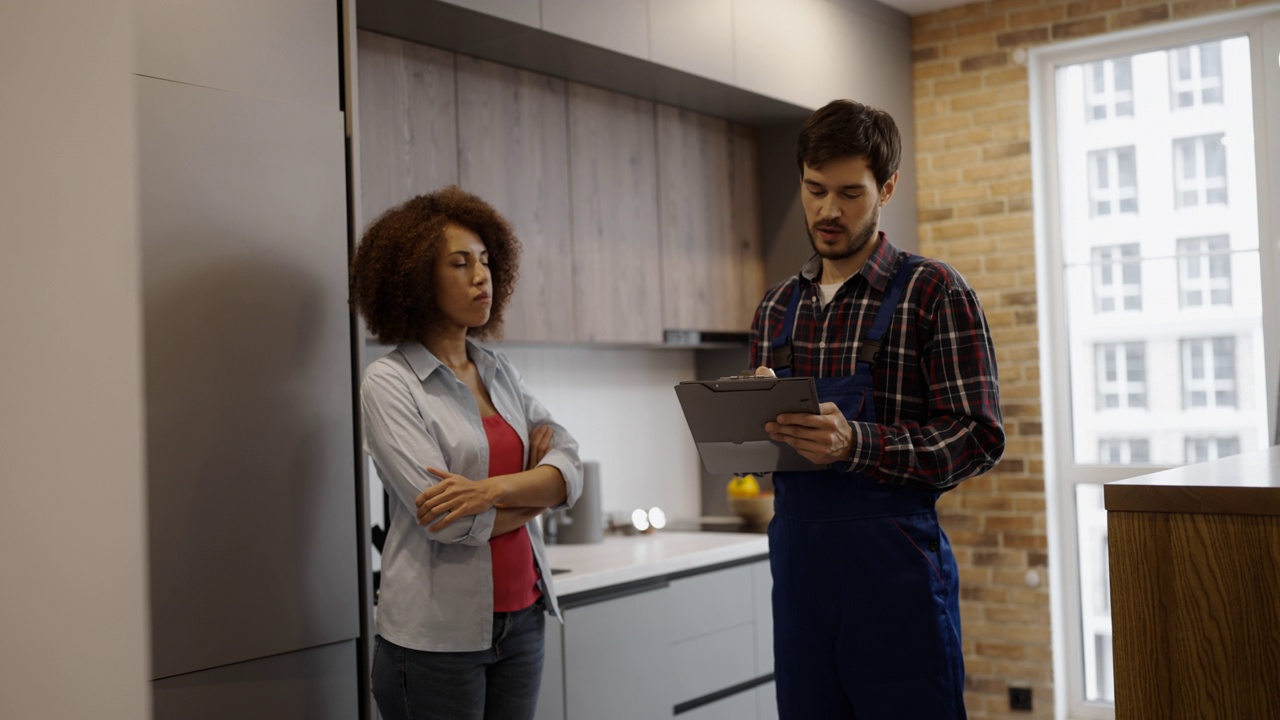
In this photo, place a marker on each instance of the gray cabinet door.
(513, 152)
(551, 695)
(735, 707)
(767, 701)
(616, 658)
(250, 467)
(318, 683)
(618, 25)
(613, 171)
(696, 37)
(762, 594)
(283, 49)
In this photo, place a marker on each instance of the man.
(866, 595)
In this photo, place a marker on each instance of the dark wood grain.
(1195, 615)
(617, 261)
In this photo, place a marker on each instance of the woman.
(470, 459)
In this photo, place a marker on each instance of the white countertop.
(627, 558)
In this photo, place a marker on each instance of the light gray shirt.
(437, 587)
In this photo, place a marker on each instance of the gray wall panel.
(282, 49)
(316, 684)
(248, 379)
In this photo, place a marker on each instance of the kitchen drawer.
(712, 601)
(713, 662)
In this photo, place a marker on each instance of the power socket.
(1020, 698)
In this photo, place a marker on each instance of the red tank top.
(515, 577)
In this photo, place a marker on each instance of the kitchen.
(277, 94)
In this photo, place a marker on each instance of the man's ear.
(886, 192)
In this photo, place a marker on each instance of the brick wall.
(973, 166)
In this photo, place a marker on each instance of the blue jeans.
(500, 683)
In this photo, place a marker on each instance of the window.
(1124, 452)
(1157, 356)
(1203, 449)
(1117, 278)
(1195, 75)
(1108, 89)
(1122, 376)
(1113, 182)
(1199, 171)
(1209, 373)
(1204, 271)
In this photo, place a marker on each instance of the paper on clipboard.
(727, 418)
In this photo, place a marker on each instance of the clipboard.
(727, 417)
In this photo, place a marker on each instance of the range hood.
(705, 338)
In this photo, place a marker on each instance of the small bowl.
(757, 510)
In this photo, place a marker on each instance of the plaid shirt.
(936, 396)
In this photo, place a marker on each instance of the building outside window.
(1122, 376)
(1108, 89)
(1209, 372)
(1199, 171)
(1117, 278)
(1154, 277)
(1195, 75)
(1204, 449)
(1113, 181)
(1204, 271)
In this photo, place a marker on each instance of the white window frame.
(1201, 183)
(1113, 193)
(1062, 474)
(1108, 96)
(1196, 252)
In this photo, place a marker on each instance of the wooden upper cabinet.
(747, 250)
(408, 123)
(513, 152)
(613, 168)
(704, 281)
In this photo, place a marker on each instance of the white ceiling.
(920, 7)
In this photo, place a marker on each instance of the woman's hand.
(453, 497)
(539, 444)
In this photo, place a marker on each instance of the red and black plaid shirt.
(936, 395)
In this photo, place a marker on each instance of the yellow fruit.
(744, 486)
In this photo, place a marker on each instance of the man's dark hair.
(844, 128)
(393, 272)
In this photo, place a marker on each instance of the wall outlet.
(1019, 698)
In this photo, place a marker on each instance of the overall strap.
(781, 342)
(869, 348)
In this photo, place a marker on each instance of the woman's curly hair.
(393, 272)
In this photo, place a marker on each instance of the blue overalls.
(865, 588)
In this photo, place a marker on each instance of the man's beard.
(854, 241)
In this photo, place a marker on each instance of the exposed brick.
(964, 83)
(1005, 650)
(925, 54)
(933, 35)
(929, 71)
(990, 207)
(969, 47)
(1000, 6)
(979, 62)
(1082, 8)
(1018, 38)
(984, 26)
(1005, 76)
(997, 152)
(1079, 28)
(1141, 16)
(978, 136)
(934, 214)
(947, 231)
(1043, 15)
(1194, 8)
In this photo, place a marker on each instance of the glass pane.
(1138, 281)
(1095, 593)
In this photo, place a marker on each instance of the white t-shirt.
(828, 291)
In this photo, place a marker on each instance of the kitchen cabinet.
(696, 38)
(613, 172)
(704, 277)
(525, 12)
(767, 701)
(408, 122)
(513, 152)
(551, 694)
(619, 25)
(651, 647)
(615, 654)
(284, 50)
